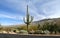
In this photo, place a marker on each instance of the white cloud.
(52, 9)
(55, 15)
(11, 16)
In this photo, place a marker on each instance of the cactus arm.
(31, 19)
(24, 21)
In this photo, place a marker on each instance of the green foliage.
(55, 28)
(33, 27)
(58, 29)
(52, 27)
(39, 32)
(39, 26)
(19, 28)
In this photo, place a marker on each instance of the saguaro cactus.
(28, 19)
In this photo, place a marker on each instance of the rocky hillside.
(57, 20)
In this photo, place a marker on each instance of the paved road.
(24, 36)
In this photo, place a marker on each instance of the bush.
(14, 30)
(39, 32)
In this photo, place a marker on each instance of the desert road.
(25, 36)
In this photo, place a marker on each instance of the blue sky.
(13, 11)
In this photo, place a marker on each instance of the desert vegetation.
(28, 19)
(46, 28)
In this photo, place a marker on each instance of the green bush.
(39, 32)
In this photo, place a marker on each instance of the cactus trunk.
(27, 28)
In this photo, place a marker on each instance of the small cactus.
(28, 19)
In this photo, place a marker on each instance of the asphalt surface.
(25, 36)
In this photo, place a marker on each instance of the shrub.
(39, 32)
(14, 30)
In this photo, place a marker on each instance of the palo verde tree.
(38, 26)
(51, 27)
(55, 28)
(28, 19)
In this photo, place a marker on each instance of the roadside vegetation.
(46, 28)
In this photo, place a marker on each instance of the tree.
(45, 26)
(48, 26)
(39, 26)
(55, 28)
(59, 29)
(52, 28)
(28, 19)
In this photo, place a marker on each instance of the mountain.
(56, 20)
